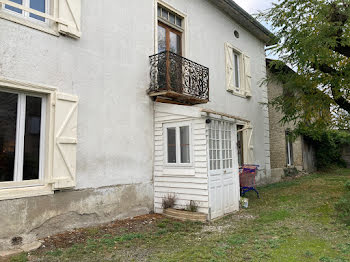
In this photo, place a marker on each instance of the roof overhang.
(243, 18)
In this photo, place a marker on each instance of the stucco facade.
(107, 68)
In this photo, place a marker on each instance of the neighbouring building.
(108, 106)
(286, 155)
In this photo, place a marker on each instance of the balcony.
(175, 79)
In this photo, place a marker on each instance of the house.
(108, 106)
(287, 155)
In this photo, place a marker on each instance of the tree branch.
(340, 100)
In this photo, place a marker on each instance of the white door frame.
(223, 182)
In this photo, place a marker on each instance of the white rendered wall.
(108, 68)
(208, 30)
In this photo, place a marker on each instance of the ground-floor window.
(22, 122)
(240, 145)
(289, 150)
(178, 141)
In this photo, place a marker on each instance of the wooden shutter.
(247, 76)
(69, 11)
(248, 148)
(229, 67)
(65, 141)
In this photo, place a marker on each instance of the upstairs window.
(169, 16)
(38, 5)
(238, 72)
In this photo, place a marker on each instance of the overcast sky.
(254, 6)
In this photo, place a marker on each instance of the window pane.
(14, 9)
(175, 43)
(185, 144)
(236, 71)
(159, 11)
(161, 39)
(38, 5)
(165, 14)
(171, 145)
(172, 18)
(178, 21)
(8, 122)
(32, 138)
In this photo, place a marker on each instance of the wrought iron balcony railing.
(177, 78)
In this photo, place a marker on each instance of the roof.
(273, 68)
(243, 18)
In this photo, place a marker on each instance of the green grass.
(293, 221)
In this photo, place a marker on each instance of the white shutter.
(247, 76)
(65, 141)
(229, 67)
(69, 11)
(248, 148)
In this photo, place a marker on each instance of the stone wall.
(278, 138)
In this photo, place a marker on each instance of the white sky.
(253, 6)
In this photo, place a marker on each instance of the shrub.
(328, 146)
(192, 206)
(168, 201)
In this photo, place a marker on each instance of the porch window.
(38, 5)
(22, 121)
(178, 144)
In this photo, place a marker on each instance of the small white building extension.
(195, 158)
(106, 107)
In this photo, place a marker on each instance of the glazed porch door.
(223, 183)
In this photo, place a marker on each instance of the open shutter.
(69, 11)
(248, 148)
(229, 67)
(247, 76)
(65, 141)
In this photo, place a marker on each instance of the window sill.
(237, 94)
(15, 193)
(28, 23)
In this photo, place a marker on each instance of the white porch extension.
(200, 164)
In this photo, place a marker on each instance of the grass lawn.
(293, 221)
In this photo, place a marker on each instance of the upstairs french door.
(170, 65)
(169, 39)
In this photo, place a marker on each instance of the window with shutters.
(177, 138)
(238, 74)
(22, 134)
(38, 138)
(50, 16)
(245, 145)
(41, 6)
